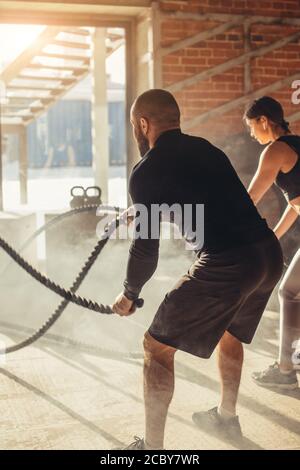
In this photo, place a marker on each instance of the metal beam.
(294, 117)
(71, 45)
(15, 67)
(32, 87)
(16, 115)
(19, 101)
(30, 99)
(59, 68)
(55, 96)
(229, 106)
(203, 36)
(223, 67)
(14, 106)
(53, 55)
(247, 67)
(40, 78)
(78, 31)
(32, 109)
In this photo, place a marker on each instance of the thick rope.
(68, 295)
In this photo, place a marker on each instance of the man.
(222, 297)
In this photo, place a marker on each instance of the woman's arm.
(270, 164)
(288, 218)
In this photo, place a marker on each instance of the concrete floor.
(80, 387)
(59, 396)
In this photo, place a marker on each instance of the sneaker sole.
(274, 385)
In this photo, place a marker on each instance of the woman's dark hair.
(267, 106)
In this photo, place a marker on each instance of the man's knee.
(230, 347)
(229, 338)
(155, 348)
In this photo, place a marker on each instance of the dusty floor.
(81, 386)
(64, 397)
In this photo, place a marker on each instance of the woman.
(279, 163)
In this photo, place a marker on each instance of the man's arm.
(144, 250)
(141, 265)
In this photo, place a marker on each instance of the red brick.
(170, 60)
(220, 88)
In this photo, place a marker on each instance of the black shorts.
(221, 291)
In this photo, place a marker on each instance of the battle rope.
(54, 221)
(68, 295)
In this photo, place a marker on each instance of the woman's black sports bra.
(289, 182)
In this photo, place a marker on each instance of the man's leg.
(222, 420)
(230, 361)
(158, 389)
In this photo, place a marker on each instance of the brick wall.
(219, 89)
(227, 130)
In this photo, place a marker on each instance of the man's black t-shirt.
(182, 169)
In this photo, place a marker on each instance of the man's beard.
(143, 143)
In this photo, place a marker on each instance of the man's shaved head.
(159, 107)
(152, 113)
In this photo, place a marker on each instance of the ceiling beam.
(78, 31)
(116, 3)
(63, 19)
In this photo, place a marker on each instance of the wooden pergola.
(39, 77)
